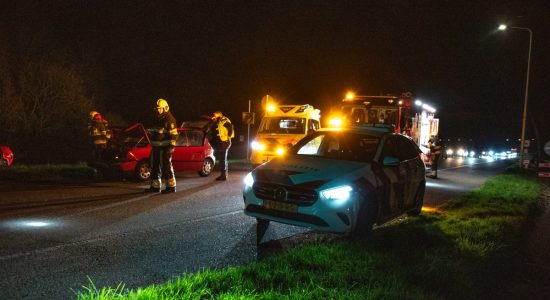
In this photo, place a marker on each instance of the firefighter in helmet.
(163, 139)
(99, 134)
(221, 133)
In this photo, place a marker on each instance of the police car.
(339, 180)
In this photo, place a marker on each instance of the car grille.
(301, 197)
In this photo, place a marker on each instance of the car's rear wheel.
(143, 170)
(367, 216)
(207, 167)
(418, 200)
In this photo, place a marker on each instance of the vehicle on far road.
(7, 156)
(339, 180)
(131, 150)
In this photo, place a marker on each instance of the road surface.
(55, 236)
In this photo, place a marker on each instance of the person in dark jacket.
(435, 153)
(163, 139)
(221, 133)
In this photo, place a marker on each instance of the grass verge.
(443, 253)
(49, 172)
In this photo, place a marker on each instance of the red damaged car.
(131, 148)
(7, 156)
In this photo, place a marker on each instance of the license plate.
(288, 207)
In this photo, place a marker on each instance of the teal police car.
(339, 180)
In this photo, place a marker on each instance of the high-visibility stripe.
(155, 183)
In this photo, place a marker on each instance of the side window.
(195, 138)
(373, 116)
(182, 139)
(390, 148)
(407, 149)
(313, 125)
(358, 116)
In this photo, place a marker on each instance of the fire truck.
(395, 112)
(282, 126)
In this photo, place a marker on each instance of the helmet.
(217, 114)
(93, 113)
(163, 105)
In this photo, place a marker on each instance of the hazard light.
(335, 122)
(271, 107)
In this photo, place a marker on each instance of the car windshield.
(339, 145)
(283, 125)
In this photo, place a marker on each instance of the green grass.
(49, 172)
(442, 254)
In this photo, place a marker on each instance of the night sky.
(216, 55)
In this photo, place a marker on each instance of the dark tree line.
(44, 94)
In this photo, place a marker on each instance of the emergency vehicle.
(395, 112)
(282, 126)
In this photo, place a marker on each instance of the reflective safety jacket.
(225, 129)
(435, 150)
(165, 131)
(98, 131)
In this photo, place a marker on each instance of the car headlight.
(340, 193)
(280, 151)
(248, 180)
(257, 146)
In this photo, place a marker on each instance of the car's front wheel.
(207, 167)
(418, 200)
(367, 216)
(261, 228)
(143, 170)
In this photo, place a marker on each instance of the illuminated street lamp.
(503, 27)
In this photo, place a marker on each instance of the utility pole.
(248, 134)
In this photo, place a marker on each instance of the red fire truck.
(396, 112)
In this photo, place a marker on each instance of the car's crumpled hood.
(309, 172)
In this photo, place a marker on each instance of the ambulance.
(281, 127)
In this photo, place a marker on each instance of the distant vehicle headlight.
(460, 152)
(341, 193)
(248, 180)
(472, 153)
(449, 151)
(257, 146)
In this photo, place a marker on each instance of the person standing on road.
(98, 129)
(163, 139)
(221, 133)
(435, 153)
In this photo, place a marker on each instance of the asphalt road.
(55, 237)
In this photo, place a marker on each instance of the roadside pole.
(248, 134)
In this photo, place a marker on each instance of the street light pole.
(522, 147)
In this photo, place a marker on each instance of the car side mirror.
(391, 161)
